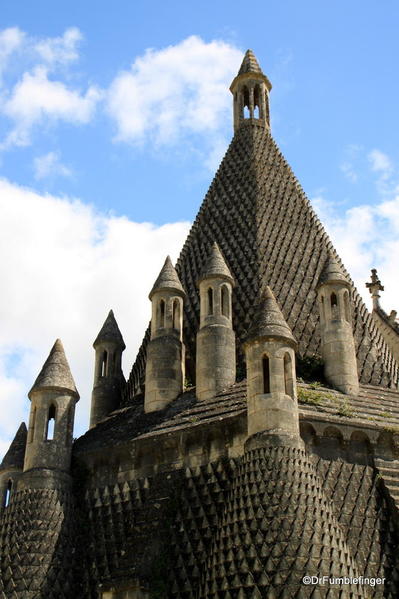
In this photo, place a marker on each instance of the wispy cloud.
(49, 165)
(10, 40)
(62, 49)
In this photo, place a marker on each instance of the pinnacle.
(249, 64)
(333, 272)
(268, 320)
(55, 373)
(215, 266)
(167, 279)
(14, 457)
(110, 332)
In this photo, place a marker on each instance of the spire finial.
(250, 89)
(374, 287)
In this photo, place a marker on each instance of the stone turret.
(337, 342)
(164, 375)
(53, 398)
(12, 465)
(250, 91)
(216, 346)
(108, 375)
(271, 380)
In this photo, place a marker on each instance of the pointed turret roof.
(256, 210)
(110, 332)
(215, 266)
(167, 279)
(269, 320)
(15, 455)
(55, 373)
(333, 273)
(249, 64)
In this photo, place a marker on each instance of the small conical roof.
(167, 279)
(269, 320)
(333, 272)
(55, 373)
(215, 266)
(249, 64)
(110, 332)
(15, 455)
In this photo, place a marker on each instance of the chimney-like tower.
(250, 91)
(164, 375)
(12, 465)
(108, 375)
(337, 342)
(53, 398)
(271, 380)
(216, 345)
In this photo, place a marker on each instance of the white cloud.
(349, 171)
(60, 49)
(49, 165)
(366, 237)
(36, 98)
(175, 92)
(63, 267)
(10, 40)
(380, 162)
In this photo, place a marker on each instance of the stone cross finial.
(374, 287)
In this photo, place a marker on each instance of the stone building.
(256, 440)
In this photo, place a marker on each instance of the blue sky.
(113, 119)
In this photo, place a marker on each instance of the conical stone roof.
(14, 457)
(333, 273)
(216, 266)
(269, 320)
(167, 279)
(55, 373)
(110, 332)
(249, 64)
(257, 212)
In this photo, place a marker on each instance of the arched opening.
(334, 306)
(50, 428)
(32, 425)
(161, 322)
(288, 377)
(210, 301)
(256, 102)
(225, 301)
(266, 374)
(322, 309)
(104, 360)
(176, 314)
(246, 112)
(346, 306)
(8, 494)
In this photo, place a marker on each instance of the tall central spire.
(250, 91)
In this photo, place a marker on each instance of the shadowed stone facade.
(240, 486)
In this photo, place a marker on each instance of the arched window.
(176, 314)
(210, 301)
(161, 314)
(104, 360)
(266, 374)
(346, 307)
(322, 309)
(8, 493)
(225, 301)
(50, 428)
(32, 425)
(334, 306)
(256, 102)
(288, 378)
(246, 113)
